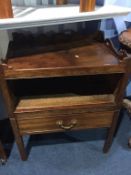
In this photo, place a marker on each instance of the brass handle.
(72, 124)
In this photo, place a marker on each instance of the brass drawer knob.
(72, 124)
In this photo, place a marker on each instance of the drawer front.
(42, 122)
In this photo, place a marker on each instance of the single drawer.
(53, 121)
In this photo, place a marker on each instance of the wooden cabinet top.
(86, 59)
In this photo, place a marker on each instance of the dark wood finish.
(2, 154)
(18, 139)
(35, 123)
(120, 89)
(119, 94)
(87, 5)
(69, 101)
(6, 9)
(65, 63)
(10, 104)
(111, 132)
(65, 107)
(6, 93)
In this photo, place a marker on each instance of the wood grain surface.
(95, 58)
(41, 123)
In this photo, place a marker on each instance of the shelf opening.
(79, 86)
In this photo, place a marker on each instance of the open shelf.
(86, 59)
(38, 16)
(79, 85)
(65, 92)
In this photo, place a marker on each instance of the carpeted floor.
(77, 153)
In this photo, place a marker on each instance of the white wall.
(4, 41)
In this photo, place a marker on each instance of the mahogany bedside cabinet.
(73, 84)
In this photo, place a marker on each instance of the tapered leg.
(111, 132)
(10, 105)
(18, 139)
(2, 154)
